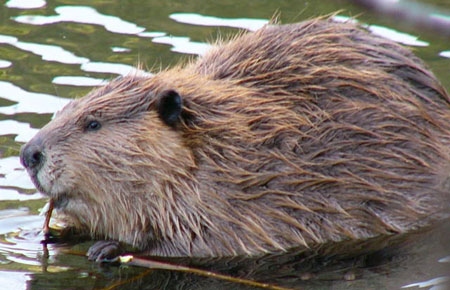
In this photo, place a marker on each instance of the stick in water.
(151, 264)
(48, 215)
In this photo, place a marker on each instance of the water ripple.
(5, 63)
(13, 174)
(15, 280)
(114, 68)
(78, 81)
(183, 44)
(28, 102)
(83, 14)
(389, 33)
(198, 19)
(45, 51)
(29, 4)
(23, 131)
(445, 53)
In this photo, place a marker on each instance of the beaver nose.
(31, 155)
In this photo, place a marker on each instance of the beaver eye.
(93, 126)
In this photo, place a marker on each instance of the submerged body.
(295, 135)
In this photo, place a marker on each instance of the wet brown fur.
(291, 136)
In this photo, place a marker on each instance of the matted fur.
(291, 136)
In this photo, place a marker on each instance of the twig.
(130, 260)
(48, 215)
(151, 264)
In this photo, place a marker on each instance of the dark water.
(52, 51)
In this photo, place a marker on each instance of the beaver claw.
(104, 252)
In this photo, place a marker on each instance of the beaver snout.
(32, 156)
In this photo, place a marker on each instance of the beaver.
(291, 136)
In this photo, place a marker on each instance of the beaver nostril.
(31, 156)
(35, 159)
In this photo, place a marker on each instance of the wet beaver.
(291, 136)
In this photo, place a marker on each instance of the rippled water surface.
(53, 51)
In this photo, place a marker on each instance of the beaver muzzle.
(32, 158)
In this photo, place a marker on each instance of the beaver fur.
(291, 136)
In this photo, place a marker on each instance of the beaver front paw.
(104, 252)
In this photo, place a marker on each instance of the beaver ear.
(169, 107)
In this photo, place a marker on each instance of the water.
(53, 51)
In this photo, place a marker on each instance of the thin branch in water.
(151, 264)
(48, 216)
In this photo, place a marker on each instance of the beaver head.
(106, 159)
